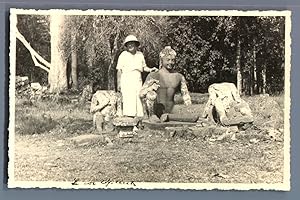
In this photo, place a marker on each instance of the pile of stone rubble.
(29, 90)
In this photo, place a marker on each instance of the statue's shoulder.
(153, 75)
(105, 93)
(179, 75)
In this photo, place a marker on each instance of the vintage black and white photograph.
(149, 99)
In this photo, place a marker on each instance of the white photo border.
(284, 186)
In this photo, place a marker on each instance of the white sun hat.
(131, 38)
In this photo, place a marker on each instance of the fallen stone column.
(179, 117)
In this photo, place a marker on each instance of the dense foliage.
(208, 48)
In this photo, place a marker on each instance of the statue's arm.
(119, 73)
(120, 65)
(145, 67)
(99, 101)
(145, 88)
(185, 92)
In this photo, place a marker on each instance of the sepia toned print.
(149, 99)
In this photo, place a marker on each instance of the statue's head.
(167, 58)
(131, 44)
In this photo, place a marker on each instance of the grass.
(44, 116)
(44, 152)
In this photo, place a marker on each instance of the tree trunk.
(264, 79)
(111, 74)
(58, 72)
(254, 69)
(238, 67)
(251, 81)
(259, 80)
(74, 77)
(111, 68)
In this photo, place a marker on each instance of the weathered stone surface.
(101, 125)
(162, 86)
(179, 117)
(164, 117)
(36, 86)
(148, 95)
(104, 106)
(237, 120)
(225, 105)
(105, 101)
(125, 121)
(98, 121)
(159, 125)
(125, 126)
(31, 91)
(87, 139)
(21, 81)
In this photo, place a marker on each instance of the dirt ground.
(44, 150)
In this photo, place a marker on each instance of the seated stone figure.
(160, 100)
(105, 105)
(148, 94)
(225, 105)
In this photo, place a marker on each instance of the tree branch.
(35, 56)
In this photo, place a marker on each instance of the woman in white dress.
(131, 64)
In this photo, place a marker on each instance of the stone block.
(125, 121)
(87, 139)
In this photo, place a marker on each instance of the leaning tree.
(56, 69)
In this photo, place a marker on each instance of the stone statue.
(86, 94)
(148, 94)
(225, 105)
(160, 87)
(105, 105)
